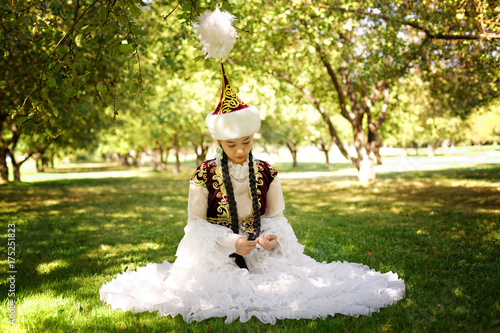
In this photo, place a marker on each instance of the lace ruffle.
(283, 283)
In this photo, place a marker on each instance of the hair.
(240, 261)
(255, 200)
(232, 202)
(230, 194)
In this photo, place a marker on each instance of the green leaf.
(21, 120)
(69, 92)
(78, 40)
(126, 48)
(52, 82)
(53, 108)
(3, 83)
(101, 88)
(62, 49)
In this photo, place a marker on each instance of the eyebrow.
(231, 141)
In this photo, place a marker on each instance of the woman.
(239, 257)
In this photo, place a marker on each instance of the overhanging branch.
(428, 33)
(326, 118)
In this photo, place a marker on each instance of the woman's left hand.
(268, 241)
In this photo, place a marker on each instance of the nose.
(240, 150)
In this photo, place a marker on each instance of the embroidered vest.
(209, 175)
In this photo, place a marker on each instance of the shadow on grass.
(436, 229)
(311, 167)
(69, 230)
(486, 172)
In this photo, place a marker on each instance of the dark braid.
(238, 259)
(255, 201)
(230, 194)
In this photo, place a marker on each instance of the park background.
(382, 118)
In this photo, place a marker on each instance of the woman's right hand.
(244, 246)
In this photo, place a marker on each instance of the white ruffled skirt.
(205, 282)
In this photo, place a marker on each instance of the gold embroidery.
(218, 185)
(259, 179)
(220, 221)
(200, 176)
(223, 217)
(258, 175)
(229, 101)
(246, 225)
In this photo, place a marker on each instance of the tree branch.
(173, 10)
(383, 109)
(67, 33)
(335, 81)
(326, 118)
(422, 28)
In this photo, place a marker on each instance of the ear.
(218, 141)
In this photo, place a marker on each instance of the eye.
(231, 146)
(245, 143)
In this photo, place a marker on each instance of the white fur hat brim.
(235, 124)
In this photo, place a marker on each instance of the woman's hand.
(268, 242)
(244, 246)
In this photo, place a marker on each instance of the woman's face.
(237, 150)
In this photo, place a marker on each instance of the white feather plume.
(216, 33)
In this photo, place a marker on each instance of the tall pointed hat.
(232, 119)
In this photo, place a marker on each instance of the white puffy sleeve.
(201, 236)
(274, 222)
(275, 201)
(197, 202)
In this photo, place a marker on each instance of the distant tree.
(484, 124)
(348, 56)
(61, 60)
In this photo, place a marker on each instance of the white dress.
(204, 281)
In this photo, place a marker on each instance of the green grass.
(438, 229)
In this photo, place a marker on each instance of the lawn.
(438, 229)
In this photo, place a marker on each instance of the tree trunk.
(404, 153)
(135, 158)
(430, 150)
(374, 143)
(51, 160)
(325, 148)
(203, 154)
(16, 167)
(164, 161)
(376, 151)
(177, 168)
(445, 144)
(155, 157)
(293, 151)
(124, 159)
(200, 149)
(366, 169)
(364, 163)
(327, 158)
(142, 160)
(37, 164)
(4, 168)
(17, 172)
